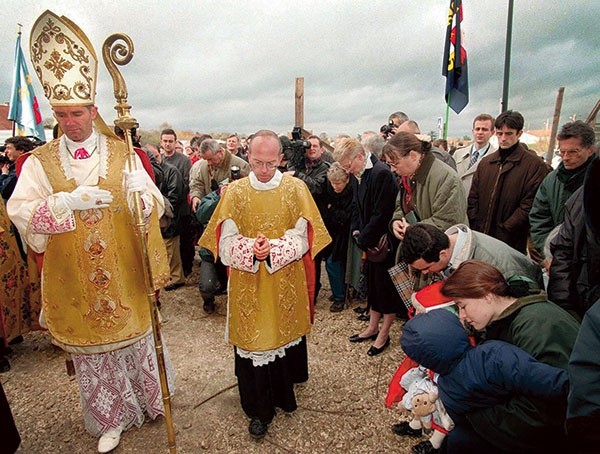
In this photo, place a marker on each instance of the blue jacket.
(473, 378)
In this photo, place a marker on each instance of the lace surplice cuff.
(51, 217)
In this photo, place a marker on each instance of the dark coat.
(315, 177)
(337, 215)
(172, 188)
(10, 436)
(375, 199)
(575, 270)
(548, 209)
(583, 410)
(473, 378)
(502, 194)
(525, 424)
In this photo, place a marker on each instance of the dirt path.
(341, 406)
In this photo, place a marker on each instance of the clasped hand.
(262, 247)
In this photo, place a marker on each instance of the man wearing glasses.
(576, 147)
(267, 229)
(208, 175)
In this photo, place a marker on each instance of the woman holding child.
(516, 312)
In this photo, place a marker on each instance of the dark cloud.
(231, 66)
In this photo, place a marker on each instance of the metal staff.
(118, 50)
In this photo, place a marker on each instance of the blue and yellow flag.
(454, 67)
(24, 108)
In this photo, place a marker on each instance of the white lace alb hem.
(268, 356)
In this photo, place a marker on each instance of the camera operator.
(14, 148)
(394, 121)
(313, 171)
(208, 175)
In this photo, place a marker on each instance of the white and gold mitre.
(64, 60)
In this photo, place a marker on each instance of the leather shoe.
(209, 307)
(404, 428)
(257, 428)
(336, 306)
(175, 286)
(109, 440)
(363, 318)
(357, 338)
(374, 351)
(425, 447)
(360, 309)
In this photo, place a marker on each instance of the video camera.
(387, 130)
(294, 150)
(3, 158)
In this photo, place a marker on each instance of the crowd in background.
(514, 242)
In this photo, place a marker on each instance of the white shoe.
(109, 440)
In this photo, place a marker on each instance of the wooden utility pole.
(299, 120)
(299, 110)
(555, 120)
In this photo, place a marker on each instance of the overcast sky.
(214, 66)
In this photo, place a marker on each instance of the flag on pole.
(24, 109)
(453, 68)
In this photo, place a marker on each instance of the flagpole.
(14, 123)
(447, 117)
(507, 56)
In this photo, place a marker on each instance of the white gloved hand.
(86, 198)
(136, 181)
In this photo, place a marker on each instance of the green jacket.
(438, 195)
(548, 333)
(548, 209)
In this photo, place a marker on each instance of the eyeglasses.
(263, 165)
(392, 164)
(575, 152)
(347, 166)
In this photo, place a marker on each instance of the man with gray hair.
(210, 174)
(576, 145)
(373, 143)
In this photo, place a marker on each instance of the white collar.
(271, 184)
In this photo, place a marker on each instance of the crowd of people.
(508, 245)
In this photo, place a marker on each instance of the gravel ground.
(340, 409)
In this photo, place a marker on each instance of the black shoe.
(209, 307)
(336, 306)
(374, 351)
(16, 340)
(357, 338)
(360, 309)
(404, 428)
(257, 428)
(4, 364)
(170, 287)
(425, 447)
(363, 318)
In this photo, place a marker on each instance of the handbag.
(380, 252)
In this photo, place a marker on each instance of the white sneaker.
(109, 440)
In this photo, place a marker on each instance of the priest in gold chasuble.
(267, 229)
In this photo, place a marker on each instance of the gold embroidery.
(57, 65)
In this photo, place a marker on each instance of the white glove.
(136, 181)
(86, 198)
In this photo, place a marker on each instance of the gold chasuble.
(267, 311)
(93, 289)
